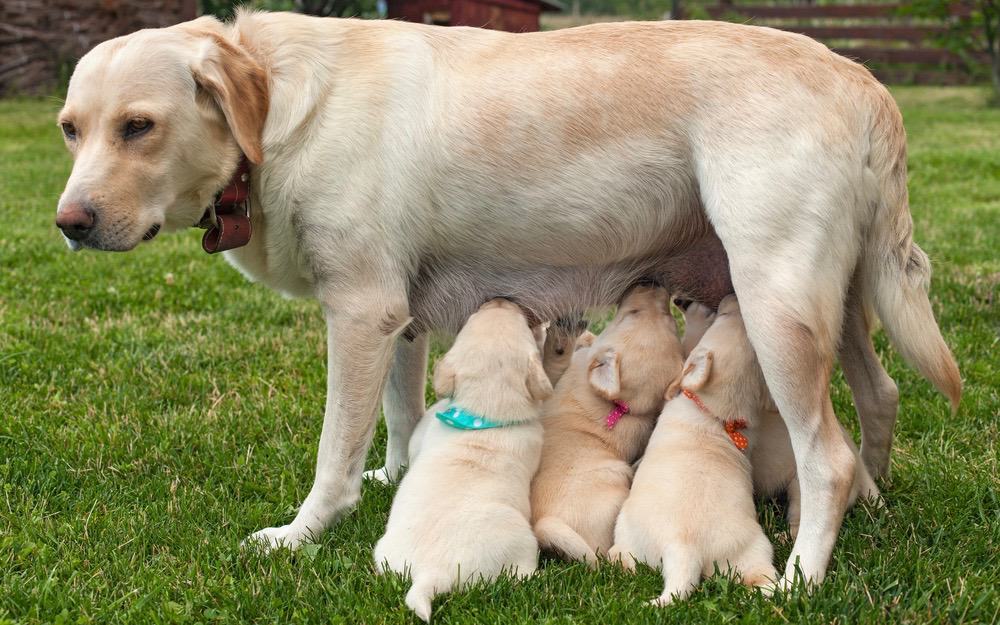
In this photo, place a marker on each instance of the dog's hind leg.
(876, 397)
(403, 404)
(792, 239)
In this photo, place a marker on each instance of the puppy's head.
(638, 355)
(156, 122)
(723, 367)
(560, 344)
(494, 362)
(697, 318)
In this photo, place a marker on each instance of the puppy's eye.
(69, 130)
(136, 127)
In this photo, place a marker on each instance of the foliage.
(979, 32)
(224, 9)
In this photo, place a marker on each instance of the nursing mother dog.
(404, 174)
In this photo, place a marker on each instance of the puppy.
(691, 505)
(563, 339)
(697, 318)
(462, 510)
(771, 456)
(597, 423)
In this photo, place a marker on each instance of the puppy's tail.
(555, 535)
(422, 592)
(894, 272)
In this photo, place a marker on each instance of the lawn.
(155, 408)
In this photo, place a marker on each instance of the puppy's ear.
(697, 369)
(673, 390)
(238, 85)
(584, 340)
(604, 376)
(444, 378)
(539, 386)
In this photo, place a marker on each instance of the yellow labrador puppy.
(691, 506)
(771, 456)
(461, 512)
(563, 338)
(597, 423)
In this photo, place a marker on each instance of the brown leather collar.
(227, 221)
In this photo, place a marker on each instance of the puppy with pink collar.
(597, 423)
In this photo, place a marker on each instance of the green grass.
(155, 409)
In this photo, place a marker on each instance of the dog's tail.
(554, 534)
(895, 273)
(422, 592)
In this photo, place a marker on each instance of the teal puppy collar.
(461, 419)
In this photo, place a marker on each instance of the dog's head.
(638, 355)
(156, 122)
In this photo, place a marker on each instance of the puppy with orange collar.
(691, 505)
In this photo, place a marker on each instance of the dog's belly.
(446, 291)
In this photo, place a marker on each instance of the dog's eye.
(136, 127)
(69, 130)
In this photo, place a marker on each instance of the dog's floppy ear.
(539, 386)
(603, 375)
(238, 85)
(697, 369)
(444, 378)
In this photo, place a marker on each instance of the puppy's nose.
(76, 220)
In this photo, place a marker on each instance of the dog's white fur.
(691, 506)
(586, 472)
(461, 512)
(404, 170)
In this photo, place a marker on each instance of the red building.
(511, 15)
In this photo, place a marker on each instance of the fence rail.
(895, 45)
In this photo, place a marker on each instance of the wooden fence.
(894, 45)
(41, 39)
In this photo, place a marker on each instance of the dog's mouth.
(151, 233)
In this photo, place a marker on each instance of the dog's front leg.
(362, 327)
(403, 404)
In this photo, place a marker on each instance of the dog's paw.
(271, 538)
(662, 601)
(382, 474)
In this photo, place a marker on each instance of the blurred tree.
(979, 31)
(224, 9)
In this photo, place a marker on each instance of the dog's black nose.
(76, 220)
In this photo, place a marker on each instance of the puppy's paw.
(271, 538)
(384, 475)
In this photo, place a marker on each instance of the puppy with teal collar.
(462, 510)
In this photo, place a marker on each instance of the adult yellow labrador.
(403, 174)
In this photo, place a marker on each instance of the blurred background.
(931, 42)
